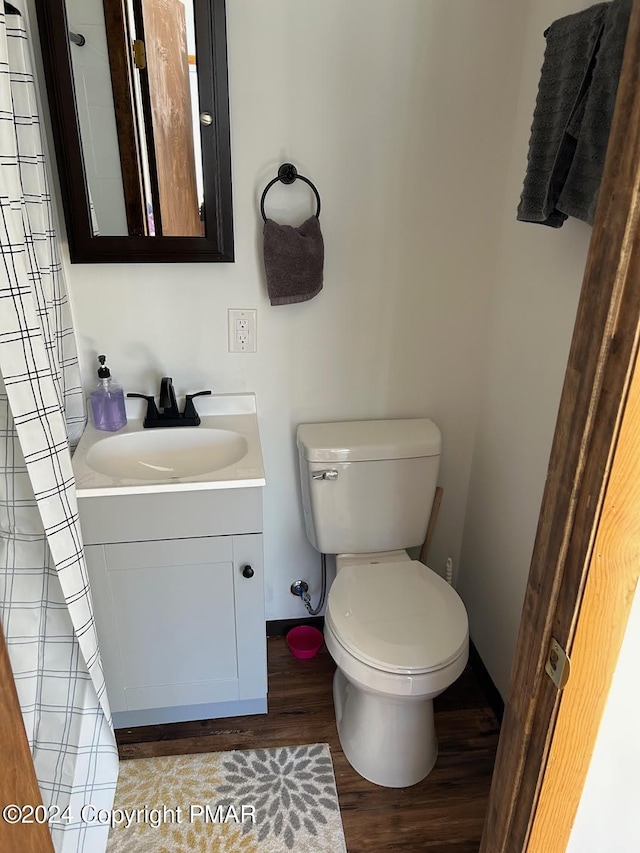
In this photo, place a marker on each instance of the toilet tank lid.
(363, 441)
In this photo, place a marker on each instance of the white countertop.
(235, 412)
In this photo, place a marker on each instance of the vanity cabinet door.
(180, 627)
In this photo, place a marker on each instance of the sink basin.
(224, 452)
(160, 455)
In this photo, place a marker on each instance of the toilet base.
(390, 742)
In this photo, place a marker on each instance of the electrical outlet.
(242, 329)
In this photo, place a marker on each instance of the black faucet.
(170, 415)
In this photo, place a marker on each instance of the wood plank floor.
(443, 814)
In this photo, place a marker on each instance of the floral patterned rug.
(257, 801)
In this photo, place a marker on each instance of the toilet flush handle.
(329, 474)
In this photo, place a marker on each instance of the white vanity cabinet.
(178, 593)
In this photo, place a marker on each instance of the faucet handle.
(152, 411)
(189, 408)
(167, 399)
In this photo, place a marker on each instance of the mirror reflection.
(136, 88)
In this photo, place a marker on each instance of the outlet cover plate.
(242, 329)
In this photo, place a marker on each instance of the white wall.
(400, 114)
(607, 817)
(532, 316)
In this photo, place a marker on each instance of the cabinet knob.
(248, 572)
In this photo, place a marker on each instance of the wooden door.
(576, 514)
(18, 783)
(129, 142)
(171, 116)
(609, 592)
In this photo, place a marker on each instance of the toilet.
(397, 631)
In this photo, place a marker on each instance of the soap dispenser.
(107, 401)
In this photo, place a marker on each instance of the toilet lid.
(397, 617)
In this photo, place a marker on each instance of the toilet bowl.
(399, 636)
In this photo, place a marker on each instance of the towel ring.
(287, 174)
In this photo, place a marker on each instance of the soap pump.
(107, 401)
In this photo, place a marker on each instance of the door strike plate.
(558, 665)
(139, 55)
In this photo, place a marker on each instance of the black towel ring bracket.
(287, 174)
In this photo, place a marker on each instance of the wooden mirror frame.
(84, 247)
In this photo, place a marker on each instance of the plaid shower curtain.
(45, 603)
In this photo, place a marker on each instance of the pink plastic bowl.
(304, 641)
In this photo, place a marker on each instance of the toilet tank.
(368, 486)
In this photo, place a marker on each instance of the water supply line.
(301, 588)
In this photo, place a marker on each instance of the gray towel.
(590, 130)
(572, 44)
(293, 261)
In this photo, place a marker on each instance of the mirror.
(139, 105)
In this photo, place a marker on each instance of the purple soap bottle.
(107, 401)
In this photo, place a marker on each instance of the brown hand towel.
(293, 261)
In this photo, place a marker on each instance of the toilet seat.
(397, 617)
